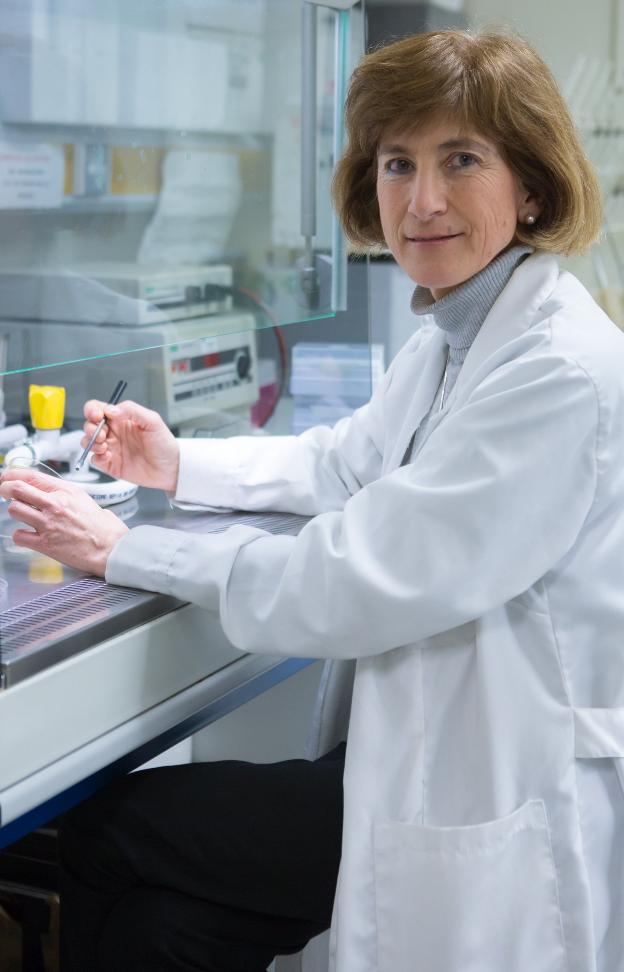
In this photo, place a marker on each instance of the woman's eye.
(463, 160)
(397, 166)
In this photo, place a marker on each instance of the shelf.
(133, 137)
(108, 203)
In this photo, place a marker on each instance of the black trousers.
(209, 866)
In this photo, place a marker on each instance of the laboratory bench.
(95, 679)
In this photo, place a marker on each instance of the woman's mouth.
(432, 240)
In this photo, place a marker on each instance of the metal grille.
(67, 608)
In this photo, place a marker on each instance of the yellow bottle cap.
(44, 570)
(47, 406)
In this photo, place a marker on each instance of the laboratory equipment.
(205, 357)
(98, 103)
(49, 444)
(118, 293)
(329, 381)
(11, 434)
(187, 373)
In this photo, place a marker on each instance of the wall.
(564, 31)
(559, 29)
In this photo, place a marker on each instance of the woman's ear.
(529, 206)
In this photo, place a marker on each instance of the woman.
(467, 547)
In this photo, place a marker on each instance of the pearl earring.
(530, 220)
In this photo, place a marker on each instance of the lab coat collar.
(514, 311)
(434, 348)
(530, 286)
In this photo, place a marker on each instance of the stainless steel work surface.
(50, 612)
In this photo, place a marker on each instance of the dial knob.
(243, 361)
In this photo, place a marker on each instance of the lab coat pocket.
(481, 898)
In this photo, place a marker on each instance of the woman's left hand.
(69, 525)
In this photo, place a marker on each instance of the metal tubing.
(308, 121)
(339, 249)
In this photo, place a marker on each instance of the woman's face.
(448, 202)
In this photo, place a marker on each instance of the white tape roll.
(106, 492)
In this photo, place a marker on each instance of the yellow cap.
(44, 570)
(47, 406)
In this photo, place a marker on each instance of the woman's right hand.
(135, 444)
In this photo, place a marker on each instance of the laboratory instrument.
(49, 444)
(115, 292)
(187, 372)
(118, 391)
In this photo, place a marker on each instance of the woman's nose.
(427, 195)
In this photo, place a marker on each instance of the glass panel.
(160, 188)
(150, 188)
(150, 175)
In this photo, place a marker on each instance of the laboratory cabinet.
(165, 218)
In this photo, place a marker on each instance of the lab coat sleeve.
(496, 497)
(310, 473)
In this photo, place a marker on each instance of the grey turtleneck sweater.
(460, 315)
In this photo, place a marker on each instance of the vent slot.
(67, 609)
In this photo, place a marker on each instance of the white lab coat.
(481, 589)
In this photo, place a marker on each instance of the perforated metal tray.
(70, 619)
(40, 631)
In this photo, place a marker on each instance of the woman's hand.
(135, 444)
(69, 525)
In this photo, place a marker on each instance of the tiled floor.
(10, 944)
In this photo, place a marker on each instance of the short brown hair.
(493, 82)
